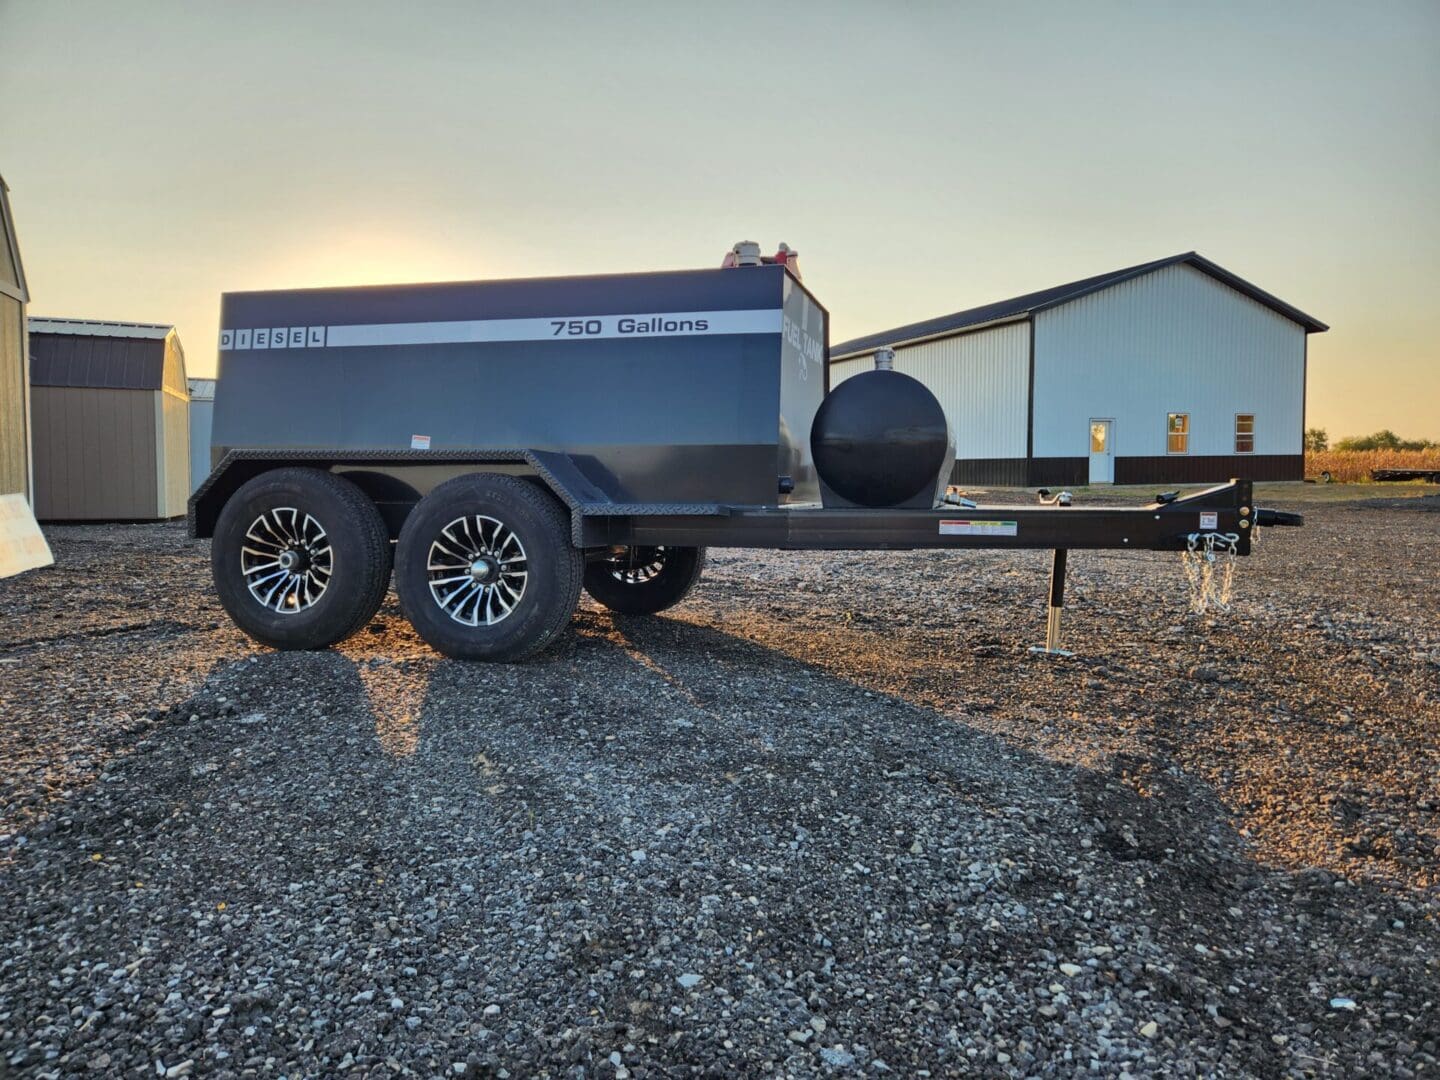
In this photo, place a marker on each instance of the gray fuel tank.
(688, 386)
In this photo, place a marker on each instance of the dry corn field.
(1352, 466)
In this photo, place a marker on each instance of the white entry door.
(1102, 453)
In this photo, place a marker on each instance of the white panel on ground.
(22, 544)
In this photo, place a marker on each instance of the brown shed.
(14, 380)
(110, 420)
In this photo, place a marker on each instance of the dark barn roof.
(1022, 306)
(84, 352)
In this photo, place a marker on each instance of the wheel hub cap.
(295, 559)
(637, 565)
(478, 570)
(286, 560)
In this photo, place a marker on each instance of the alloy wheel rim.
(286, 560)
(477, 570)
(637, 565)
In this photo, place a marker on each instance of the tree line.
(1317, 439)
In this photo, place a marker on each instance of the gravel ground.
(828, 817)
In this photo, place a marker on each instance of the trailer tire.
(485, 569)
(340, 550)
(646, 579)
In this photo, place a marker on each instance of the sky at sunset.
(922, 157)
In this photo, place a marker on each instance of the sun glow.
(369, 255)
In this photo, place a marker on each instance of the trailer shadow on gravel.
(673, 843)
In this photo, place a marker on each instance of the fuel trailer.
(501, 445)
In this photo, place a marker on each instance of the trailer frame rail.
(1226, 509)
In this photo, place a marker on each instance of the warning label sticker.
(1209, 519)
(419, 442)
(979, 528)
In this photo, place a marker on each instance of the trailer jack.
(1056, 607)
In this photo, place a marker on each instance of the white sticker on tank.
(419, 442)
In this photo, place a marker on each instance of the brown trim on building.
(1001, 472)
(1059, 471)
(1208, 468)
(1161, 469)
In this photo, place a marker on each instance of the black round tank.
(880, 439)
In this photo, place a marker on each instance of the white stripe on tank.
(555, 328)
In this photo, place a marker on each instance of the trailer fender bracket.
(563, 474)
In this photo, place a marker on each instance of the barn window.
(1177, 430)
(1244, 433)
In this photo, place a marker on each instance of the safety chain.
(1203, 551)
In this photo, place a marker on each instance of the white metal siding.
(1175, 340)
(841, 370)
(202, 416)
(980, 380)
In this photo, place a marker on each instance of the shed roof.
(1020, 307)
(91, 353)
(100, 328)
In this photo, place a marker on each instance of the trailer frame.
(397, 479)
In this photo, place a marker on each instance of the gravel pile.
(827, 818)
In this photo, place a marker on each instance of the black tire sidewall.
(678, 575)
(551, 585)
(338, 613)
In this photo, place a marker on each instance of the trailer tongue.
(1224, 511)
(524, 439)
(1210, 525)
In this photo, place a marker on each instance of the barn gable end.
(1173, 341)
(1114, 362)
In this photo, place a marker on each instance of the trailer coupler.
(1263, 518)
